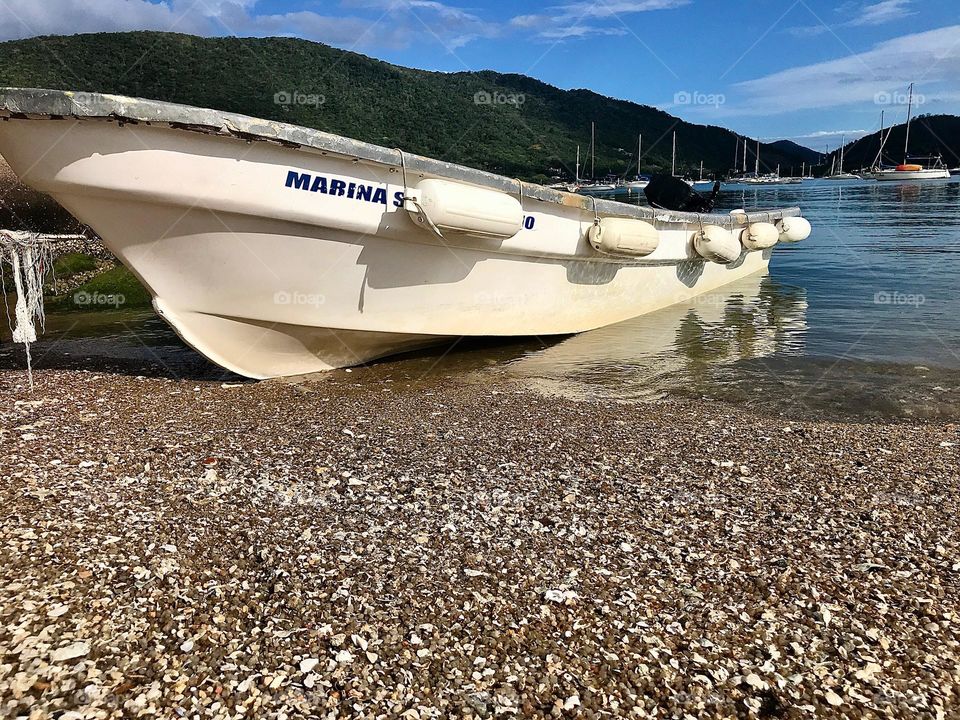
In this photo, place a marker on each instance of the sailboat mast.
(577, 171)
(757, 171)
(673, 162)
(736, 154)
(639, 152)
(906, 142)
(701, 169)
(744, 154)
(881, 130)
(842, 143)
(878, 161)
(593, 149)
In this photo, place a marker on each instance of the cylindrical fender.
(716, 244)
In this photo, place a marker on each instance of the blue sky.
(807, 70)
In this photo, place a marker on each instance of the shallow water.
(860, 320)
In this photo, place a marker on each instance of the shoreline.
(375, 541)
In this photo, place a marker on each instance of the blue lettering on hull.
(337, 188)
(357, 191)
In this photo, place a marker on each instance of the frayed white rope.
(29, 257)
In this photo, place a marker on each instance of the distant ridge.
(510, 124)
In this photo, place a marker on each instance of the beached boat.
(278, 250)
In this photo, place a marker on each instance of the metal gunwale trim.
(38, 103)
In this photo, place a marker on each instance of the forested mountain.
(510, 124)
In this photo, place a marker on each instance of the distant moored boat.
(907, 170)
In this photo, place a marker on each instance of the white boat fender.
(622, 236)
(717, 244)
(793, 229)
(451, 206)
(759, 236)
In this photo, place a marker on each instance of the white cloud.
(361, 24)
(883, 12)
(602, 9)
(585, 17)
(384, 24)
(860, 14)
(449, 25)
(832, 133)
(578, 31)
(808, 31)
(25, 18)
(932, 58)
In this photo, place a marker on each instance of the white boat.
(593, 187)
(839, 174)
(673, 163)
(279, 250)
(640, 182)
(589, 188)
(756, 178)
(907, 170)
(768, 179)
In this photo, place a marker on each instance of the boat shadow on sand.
(140, 344)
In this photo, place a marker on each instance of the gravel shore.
(371, 544)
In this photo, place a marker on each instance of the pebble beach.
(380, 544)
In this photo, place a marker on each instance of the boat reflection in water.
(682, 349)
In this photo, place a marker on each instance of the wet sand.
(378, 543)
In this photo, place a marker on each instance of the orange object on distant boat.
(909, 168)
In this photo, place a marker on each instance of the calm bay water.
(862, 319)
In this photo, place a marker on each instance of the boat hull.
(905, 175)
(268, 278)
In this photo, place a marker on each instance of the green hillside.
(531, 130)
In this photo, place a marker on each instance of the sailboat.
(641, 182)
(840, 174)
(702, 183)
(567, 186)
(907, 170)
(673, 162)
(593, 186)
(766, 179)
